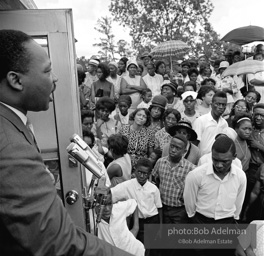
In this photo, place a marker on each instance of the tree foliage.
(155, 21)
(104, 27)
(109, 49)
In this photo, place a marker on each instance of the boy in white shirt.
(145, 193)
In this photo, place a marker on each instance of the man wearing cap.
(209, 125)
(90, 78)
(170, 173)
(153, 80)
(146, 58)
(185, 128)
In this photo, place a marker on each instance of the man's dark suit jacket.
(33, 220)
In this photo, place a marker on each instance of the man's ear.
(14, 80)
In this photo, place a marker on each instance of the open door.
(53, 29)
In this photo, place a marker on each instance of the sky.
(226, 16)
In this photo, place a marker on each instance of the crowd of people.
(180, 145)
(195, 134)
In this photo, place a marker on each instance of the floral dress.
(138, 142)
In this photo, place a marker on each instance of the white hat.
(224, 64)
(113, 63)
(130, 62)
(93, 62)
(231, 133)
(189, 93)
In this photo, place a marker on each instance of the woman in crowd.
(132, 84)
(157, 109)
(169, 90)
(114, 78)
(193, 75)
(170, 118)
(243, 127)
(119, 169)
(208, 81)
(205, 95)
(102, 87)
(160, 67)
(252, 97)
(122, 67)
(240, 106)
(140, 137)
(105, 125)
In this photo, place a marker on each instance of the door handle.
(72, 197)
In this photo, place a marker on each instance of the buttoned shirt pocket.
(228, 202)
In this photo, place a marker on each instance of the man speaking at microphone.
(33, 220)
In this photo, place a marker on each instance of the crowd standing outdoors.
(194, 139)
(180, 144)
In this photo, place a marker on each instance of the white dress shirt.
(207, 158)
(153, 83)
(116, 231)
(213, 197)
(147, 196)
(207, 128)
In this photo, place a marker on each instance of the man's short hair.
(224, 144)
(145, 162)
(13, 54)
(182, 138)
(219, 94)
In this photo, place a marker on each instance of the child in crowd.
(122, 112)
(154, 156)
(146, 96)
(157, 108)
(189, 102)
(144, 192)
(205, 96)
(96, 145)
(88, 122)
(113, 226)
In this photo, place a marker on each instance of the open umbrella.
(172, 48)
(244, 35)
(244, 67)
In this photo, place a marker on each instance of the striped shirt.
(172, 180)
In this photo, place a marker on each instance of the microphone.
(86, 159)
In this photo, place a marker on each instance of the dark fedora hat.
(186, 125)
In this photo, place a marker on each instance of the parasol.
(170, 49)
(244, 35)
(244, 67)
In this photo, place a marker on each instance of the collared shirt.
(257, 156)
(17, 112)
(89, 80)
(172, 180)
(213, 197)
(153, 83)
(147, 196)
(116, 232)
(162, 138)
(207, 128)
